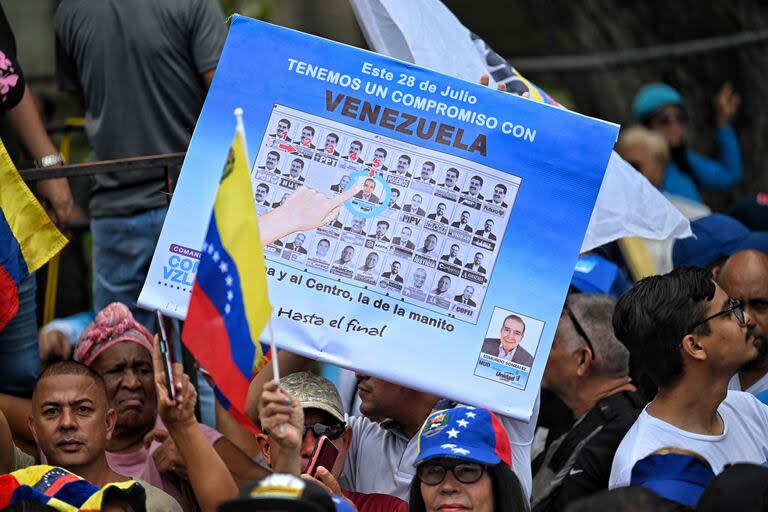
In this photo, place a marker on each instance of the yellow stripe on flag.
(38, 238)
(239, 233)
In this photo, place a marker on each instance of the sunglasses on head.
(668, 119)
(734, 306)
(579, 329)
(464, 472)
(334, 431)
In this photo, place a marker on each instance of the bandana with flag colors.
(28, 238)
(229, 305)
(65, 491)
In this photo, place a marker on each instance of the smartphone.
(324, 455)
(167, 331)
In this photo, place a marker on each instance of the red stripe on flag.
(59, 483)
(503, 448)
(211, 345)
(9, 297)
(8, 485)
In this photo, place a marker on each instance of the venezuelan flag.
(229, 305)
(28, 238)
(65, 491)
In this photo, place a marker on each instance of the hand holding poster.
(447, 267)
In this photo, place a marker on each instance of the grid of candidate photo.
(439, 220)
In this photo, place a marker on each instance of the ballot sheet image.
(446, 268)
(427, 233)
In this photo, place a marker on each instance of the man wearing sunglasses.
(662, 109)
(692, 339)
(308, 406)
(588, 369)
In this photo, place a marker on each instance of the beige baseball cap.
(314, 392)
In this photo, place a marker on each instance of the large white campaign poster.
(447, 271)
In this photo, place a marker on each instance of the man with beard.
(394, 272)
(463, 222)
(453, 256)
(380, 235)
(744, 276)
(395, 195)
(439, 214)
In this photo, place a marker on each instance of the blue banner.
(448, 269)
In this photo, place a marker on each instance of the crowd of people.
(653, 397)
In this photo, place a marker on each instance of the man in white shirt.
(694, 338)
(744, 276)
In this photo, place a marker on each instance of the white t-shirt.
(744, 438)
(757, 387)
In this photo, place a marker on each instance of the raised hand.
(727, 103)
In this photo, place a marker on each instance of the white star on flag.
(462, 423)
(227, 309)
(447, 445)
(216, 256)
(470, 415)
(223, 266)
(228, 280)
(230, 295)
(460, 451)
(205, 246)
(452, 433)
(210, 249)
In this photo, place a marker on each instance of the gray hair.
(595, 313)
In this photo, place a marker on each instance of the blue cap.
(595, 274)
(465, 433)
(652, 97)
(714, 237)
(674, 476)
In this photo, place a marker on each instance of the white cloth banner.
(426, 33)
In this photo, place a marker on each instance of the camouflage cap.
(314, 392)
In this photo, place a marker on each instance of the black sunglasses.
(465, 472)
(579, 329)
(667, 119)
(334, 431)
(734, 306)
